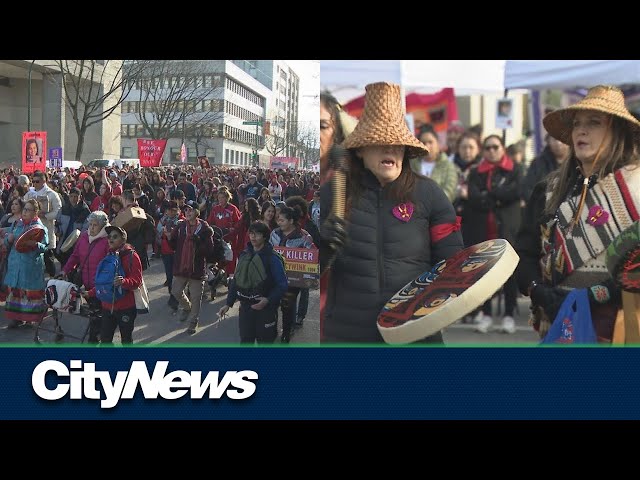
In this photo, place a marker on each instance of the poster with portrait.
(504, 113)
(203, 161)
(34, 151)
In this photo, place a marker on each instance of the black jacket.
(503, 199)
(383, 254)
(540, 167)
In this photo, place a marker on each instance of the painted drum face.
(34, 233)
(623, 258)
(452, 289)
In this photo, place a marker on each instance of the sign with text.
(150, 151)
(34, 151)
(283, 163)
(302, 266)
(55, 157)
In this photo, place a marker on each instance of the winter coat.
(132, 279)
(48, 219)
(299, 238)
(540, 167)
(80, 215)
(87, 256)
(383, 253)
(502, 199)
(444, 173)
(196, 268)
(278, 286)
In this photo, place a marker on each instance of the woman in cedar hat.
(575, 214)
(398, 224)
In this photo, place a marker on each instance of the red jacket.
(132, 267)
(227, 219)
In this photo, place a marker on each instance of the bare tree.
(93, 90)
(308, 144)
(276, 142)
(178, 99)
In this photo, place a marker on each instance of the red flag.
(183, 153)
(150, 151)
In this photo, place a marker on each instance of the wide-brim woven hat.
(601, 98)
(382, 122)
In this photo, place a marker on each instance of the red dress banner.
(150, 152)
(34, 151)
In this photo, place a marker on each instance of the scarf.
(102, 233)
(187, 256)
(489, 168)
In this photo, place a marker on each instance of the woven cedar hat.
(382, 122)
(602, 98)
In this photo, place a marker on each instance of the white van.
(114, 162)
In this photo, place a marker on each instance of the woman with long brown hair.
(576, 213)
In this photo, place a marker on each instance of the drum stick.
(339, 161)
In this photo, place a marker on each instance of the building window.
(226, 155)
(127, 152)
(139, 131)
(124, 130)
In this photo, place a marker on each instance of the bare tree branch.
(93, 90)
(180, 98)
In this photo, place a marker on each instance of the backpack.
(215, 250)
(251, 278)
(148, 230)
(109, 268)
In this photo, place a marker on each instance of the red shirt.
(132, 280)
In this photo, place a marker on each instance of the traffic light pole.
(255, 158)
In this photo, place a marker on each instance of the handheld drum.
(35, 233)
(623, 258)
(70, 241)
(450, 290)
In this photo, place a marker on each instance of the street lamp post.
(29, 98)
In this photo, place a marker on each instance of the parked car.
(114, 162)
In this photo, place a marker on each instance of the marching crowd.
(199, 220)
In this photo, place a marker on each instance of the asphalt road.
(161, 326)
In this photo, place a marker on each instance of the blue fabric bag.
(573, 323)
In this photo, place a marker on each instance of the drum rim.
(415, 330)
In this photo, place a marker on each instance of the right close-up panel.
(480, 202)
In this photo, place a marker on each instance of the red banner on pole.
(150, 151)
(34, 151)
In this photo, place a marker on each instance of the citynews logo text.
(84, 379)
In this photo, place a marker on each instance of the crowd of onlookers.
(489, 185)
(190, 211)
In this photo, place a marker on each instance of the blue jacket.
(279, 285)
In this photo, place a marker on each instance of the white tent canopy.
(346, 79)
(567, 74)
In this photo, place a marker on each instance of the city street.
(161, 326)
(464, 333)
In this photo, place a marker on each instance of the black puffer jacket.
(383, 254)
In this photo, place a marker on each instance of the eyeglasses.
(37, 181)
(491, 147)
